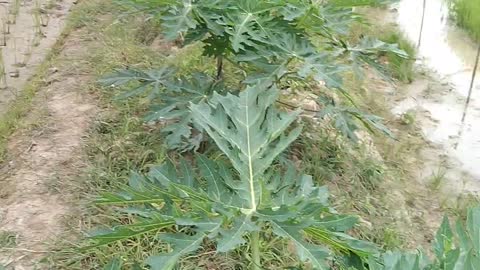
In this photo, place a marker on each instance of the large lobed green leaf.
(225, 205)
(250, 132)
(170, 96)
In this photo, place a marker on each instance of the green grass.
(358, 183)
(7, 239)
(437, 179)
(467, 15)
(120, 142)
(12, 119)
(401, 68)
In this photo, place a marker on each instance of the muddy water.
(25, 40)
(450, 54)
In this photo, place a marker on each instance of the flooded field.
(448, 54)
(29, 28)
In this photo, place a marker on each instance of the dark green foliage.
(229, 205)
(146, 81)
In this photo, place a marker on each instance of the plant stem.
(3, 73)
(421, 26)
(255, 246)
(475, 68)
(470, 90)
(219, 68)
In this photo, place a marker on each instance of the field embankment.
(77, 141)
(44, 152)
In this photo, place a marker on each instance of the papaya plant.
(232, 203)
(271, 40)
(281, 32)
(181, 132)
(455, 248)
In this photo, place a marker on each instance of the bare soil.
(419, 202)
(44, 156)
(436, 157)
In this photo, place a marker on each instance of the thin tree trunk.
(421, 26)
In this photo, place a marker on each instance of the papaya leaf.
(179, 19)
(443, 239)
(145, 81)
(172, 107)
(233, 237)
(125, 232)
(453, 250)
(307, 252)
(114, 264)
(227, 206)
(249, 130)
(473, 228)
(181, 245)
(348, 120)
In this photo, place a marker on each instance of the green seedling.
(37, 21)
(7, 239)
(3, 73)
(14, 11)
(408, 118)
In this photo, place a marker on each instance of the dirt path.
(44, 156)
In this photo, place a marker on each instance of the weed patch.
(465, 13)
(401, 68)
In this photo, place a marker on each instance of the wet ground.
(447, 54)
(28, 29)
